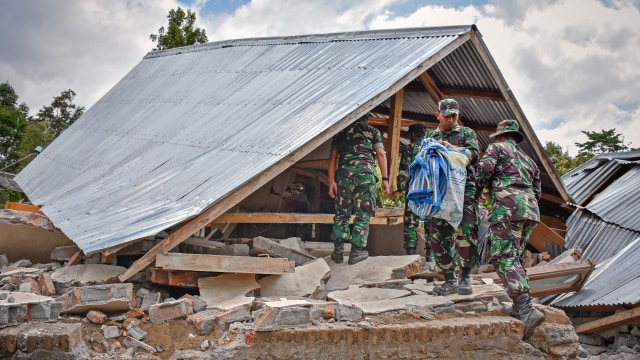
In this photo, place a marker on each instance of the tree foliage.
(60, 114)
(562, 161)
(12, 125)
(180, 31)
(605, 141)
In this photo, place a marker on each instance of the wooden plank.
(578, 271)
(287, 218)
(221, 263)
(610, 322)
(393, 139)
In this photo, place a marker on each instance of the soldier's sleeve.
(403, 169)
(537, 185)
(471, 145)
(376, 142)
(486, 167)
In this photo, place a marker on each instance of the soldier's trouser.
(461, 250)
(508, 241)
(411, 223)
(356, 195)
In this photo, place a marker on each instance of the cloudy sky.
(573, 65)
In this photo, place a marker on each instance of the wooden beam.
(221, 263)
(542, 234)
(291, 218)
(571, 276)
(322, 164)
(431, 87)
(476, 94)
(394, 131)
(610, 322)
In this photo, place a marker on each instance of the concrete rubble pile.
(383, 307)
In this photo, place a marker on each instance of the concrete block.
(108, 298)
(170, 310)
(110, 331)
(277, 318)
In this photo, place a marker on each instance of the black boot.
(410, 251)
(449, 287)
(429, 254)
(464, 286)
(338, 248)
(357, 254)
(524, 311)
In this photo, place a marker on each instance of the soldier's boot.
(338, 248)
(357, 254)
(464, 285)
(429, 254)
(530, 316)
(410, 251)
(449, 287)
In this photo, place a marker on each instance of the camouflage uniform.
(464, 251)
(514, 186)
(411, 220)
(356, 177)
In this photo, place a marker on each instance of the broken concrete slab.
(276, 249)
(357, 294)
(27, 235)
(304, 281)
(228, 290)
(380, 306)
(372, 270)
(85, 274)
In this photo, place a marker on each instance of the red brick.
(459, 330)
(287, 335)
(48, 342)
(310, 335)
(329, 312)
(46, 285)
(350, 335)
(336, 335)
(324, 335)
(446, 331)
(496, 328)
(248, 336)
(411, 331)
(97, 317)
(388, 334)
(299, 336)
(374, 335)
(362, 335)
(399, 333)
(30, 343)
(423, 333)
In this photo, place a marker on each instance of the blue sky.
(571, 64)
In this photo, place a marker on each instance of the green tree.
(179, 32)
(562, 161)
(60, 114)
(605, 141)
(12, 125)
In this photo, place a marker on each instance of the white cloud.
(572, 64)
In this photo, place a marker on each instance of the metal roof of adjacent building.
(613, 283)
(193, 128)
(606, 227)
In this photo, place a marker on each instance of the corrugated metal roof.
(613, 282)
(598, 239)
(187, 127)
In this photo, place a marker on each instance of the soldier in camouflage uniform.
(450, 246)
(513, 180)
(411, 220)
(355, 150)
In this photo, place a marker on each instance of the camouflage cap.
(447, 107)
(508, 126)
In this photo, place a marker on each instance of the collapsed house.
(202, 143)
(208, 133)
